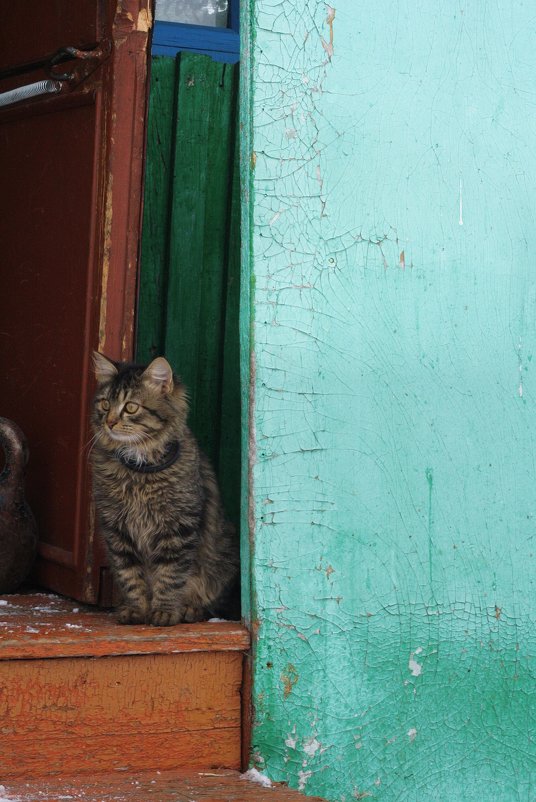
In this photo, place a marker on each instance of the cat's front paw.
(192, 613)
(131, 615)
(166, 618)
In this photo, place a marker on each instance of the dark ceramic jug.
(18, 532)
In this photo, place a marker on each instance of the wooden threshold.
(170, 786)
(42, 625)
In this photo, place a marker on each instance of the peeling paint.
(291, 740)
(145, 20)
(107, 244)
(357, 794)
(303, 776)
(289, 678)
(311, 746)
(414, 666)
(392, 248)
(328, 46)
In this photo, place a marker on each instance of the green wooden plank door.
(155, 237)
(230, 419)
(189, 285)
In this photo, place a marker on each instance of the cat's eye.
(131, 408)
(104, 405)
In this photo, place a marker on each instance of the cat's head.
(137, 408)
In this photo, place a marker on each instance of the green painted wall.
(392, 251)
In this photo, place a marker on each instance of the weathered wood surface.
(44, 626)
(189, 282)
(61, 716)
(213, 786)
(78, 276)
(155, 230)
(198, 235)
(229, 466)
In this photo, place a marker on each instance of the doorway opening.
(189, 287)
(71, 231)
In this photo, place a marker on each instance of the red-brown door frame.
(116, 90)
(120, 214)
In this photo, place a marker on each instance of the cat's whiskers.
(90, 445)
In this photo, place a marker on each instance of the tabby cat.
(173, 555)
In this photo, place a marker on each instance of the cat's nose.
(111, 420)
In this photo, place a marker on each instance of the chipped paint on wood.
(125, 118)
(81, 693)
(107, 237)
(131, 16)
(145, 20)
(391, 252)
(76, 716)
(40, 626)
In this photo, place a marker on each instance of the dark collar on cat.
(171, 456)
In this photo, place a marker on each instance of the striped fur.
(173, 554)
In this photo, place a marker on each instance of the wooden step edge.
(36, 626)
(168, 786)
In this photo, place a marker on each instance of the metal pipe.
(30, 90)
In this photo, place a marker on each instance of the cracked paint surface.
(390, 173)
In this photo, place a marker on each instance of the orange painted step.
(215, 786)
(82, 694)
(45, 625)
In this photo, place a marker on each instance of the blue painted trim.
(234, 15)
(228, 58)
(175, 36)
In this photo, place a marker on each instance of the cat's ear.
(159, 375)
(104, 368)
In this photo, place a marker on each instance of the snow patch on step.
(255, 776)
(3, 797)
